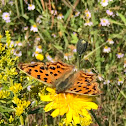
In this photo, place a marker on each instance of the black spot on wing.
(45, 79)
(52, 68)
(29, 71)
(51, 72)
(94, 87)
(36, 70)
(40, 71)
(38, 76)
(88, 84)
(34, 65)
(59, 71)
(47, 74)
(55, 74)
(78, 90)
(58, 66)
(42, 67)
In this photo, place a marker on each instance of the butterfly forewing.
(84, 84)
(48, 73)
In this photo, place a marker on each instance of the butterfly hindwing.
(84, 84)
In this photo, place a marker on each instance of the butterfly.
(63, 77)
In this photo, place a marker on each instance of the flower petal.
(45, 97)
(52, 91)
(55, 113)
(48, 107)
(69, 116)
(76, 118)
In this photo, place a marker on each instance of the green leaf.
(5, 109)
(25, 16)
(74, 39)
(122, 17)
(58, 47)
(115, 22)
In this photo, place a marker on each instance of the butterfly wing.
(46, 73)
(84, 84)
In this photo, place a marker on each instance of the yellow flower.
(39, 57)
(75, 106)
(16, 88)
(21, 105)
(0, 37)
(11, 119)
(4, 94)
(19, 110)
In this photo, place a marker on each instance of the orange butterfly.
(63, 77)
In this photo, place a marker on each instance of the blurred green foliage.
(59, 25)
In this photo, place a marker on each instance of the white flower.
(125, 71)
(11, 44)
(88, 23)
(37, 39)
(89, 71)
(31, 7)
(87, 14)
(110, 41)
(11, 3)
(104, 3)
(110, 13)
(26, 28)
(54, 12)
(17, 53)
(6, 17)
(0, 11)
(29, 87)
(106, 82)
(18, 43)
(100, 77)
(39, 19)
(49, 58)
(54, 35)
(119, 55)
(68, 56)
(125, 64)
(38, 49)
(34, 28)
(74, 33)
(120, 81)
(105, 22)
(77, 14)
(106, 49)
(60, 16)
(75, 50)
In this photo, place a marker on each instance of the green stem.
(21, 120)
(95, 117)
(78, 61)
(16, 4)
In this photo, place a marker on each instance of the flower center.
(6, 16)
(34, 26)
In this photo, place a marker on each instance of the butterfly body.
(63, 77)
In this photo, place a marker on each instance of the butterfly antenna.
(81, 48)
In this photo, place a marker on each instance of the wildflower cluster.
(16, 88)
(49, 31)
(21, 105)
(74, 106)
(4, 94)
